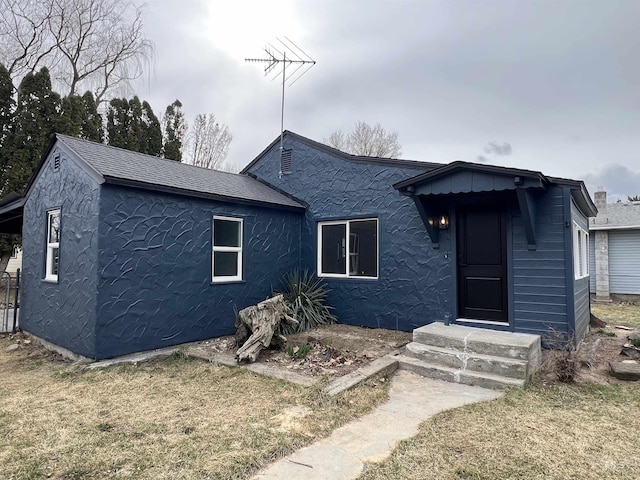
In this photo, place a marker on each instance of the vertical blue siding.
(539, 277)
(155, 285)
(63, 313)
(415, 284)
(581, 305)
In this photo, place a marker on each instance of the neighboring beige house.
(15, 261)
(614, 248)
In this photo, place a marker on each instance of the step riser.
(458, 360)
(435, 373)
(474, 346)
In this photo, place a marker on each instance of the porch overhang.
(431, 190)
(11, 212)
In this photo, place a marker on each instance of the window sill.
(50, 280)
(226, 282)
(349, 279)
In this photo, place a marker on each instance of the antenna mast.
(297, 58)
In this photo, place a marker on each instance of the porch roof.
(11, 210)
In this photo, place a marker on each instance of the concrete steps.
(472, 356)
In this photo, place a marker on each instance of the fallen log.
(256, 327)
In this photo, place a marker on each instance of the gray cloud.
(495, 148)
(445, 75)
(617, 180)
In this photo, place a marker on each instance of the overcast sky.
(558, 81)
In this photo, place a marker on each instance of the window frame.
(347, 223)
(580, 252)
(51, 246)
(220, 248)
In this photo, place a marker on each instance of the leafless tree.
(367, 141)
(207, 142)
(96, 45)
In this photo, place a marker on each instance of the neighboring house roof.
(617, 216)
(124, 167)
(388, 162)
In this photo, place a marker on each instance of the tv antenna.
(286, 54)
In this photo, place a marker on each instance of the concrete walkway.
(349, 449)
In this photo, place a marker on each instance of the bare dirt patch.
(335, 350)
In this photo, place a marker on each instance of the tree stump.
(256, 327)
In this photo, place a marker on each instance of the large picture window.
(580, 252)
(53, 245)
(348, 248)
(227, 249)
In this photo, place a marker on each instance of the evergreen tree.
(152, 133)
(118, 123)
(131, 124)
(36, 119)
(174, 131)
(91, 120)
(71, 115)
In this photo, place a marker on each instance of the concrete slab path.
(347, 452)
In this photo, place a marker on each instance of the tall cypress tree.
(118, 123)
(91, 120)
(36, 120)
(152, 131)
(174, 130)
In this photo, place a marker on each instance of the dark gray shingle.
(117, 163)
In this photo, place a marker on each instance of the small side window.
(226, 257)
(53, 245)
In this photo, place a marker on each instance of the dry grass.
(560, 432)
(175, 419)
(627, 314)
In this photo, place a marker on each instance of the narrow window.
(348, 248)
(53, 245)
(580, 252)
(227, 249)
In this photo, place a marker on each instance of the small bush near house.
(305, 295)
(564, 358)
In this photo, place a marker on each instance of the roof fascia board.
(190, 193)
(279, 190)
(13, 205)
(614, 227)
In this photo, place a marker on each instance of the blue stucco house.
(125, 252)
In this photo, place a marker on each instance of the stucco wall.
(65, 312)
(155, 285)
(415, 284)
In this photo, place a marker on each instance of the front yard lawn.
(561, 432)
(618, 313)
(171, 419)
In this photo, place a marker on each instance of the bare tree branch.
(207, 142)
(367, 141)
(86, 44)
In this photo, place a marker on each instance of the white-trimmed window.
(53, 245)
(348, 248)
(580, 252)
(226, 257)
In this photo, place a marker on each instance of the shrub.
(305, 295)
(565, 362)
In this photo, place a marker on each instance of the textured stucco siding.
(415, 283)
(539, 276)
(63, 313)
(581, 305)
(155, 285)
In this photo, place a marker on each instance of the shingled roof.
(123, 167)
(617, 216)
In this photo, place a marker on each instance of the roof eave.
(192, 193)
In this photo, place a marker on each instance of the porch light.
(443, 222)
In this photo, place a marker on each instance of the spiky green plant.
(305, 295)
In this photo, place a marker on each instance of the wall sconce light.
(443, 222)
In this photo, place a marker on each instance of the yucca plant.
(305, 295)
